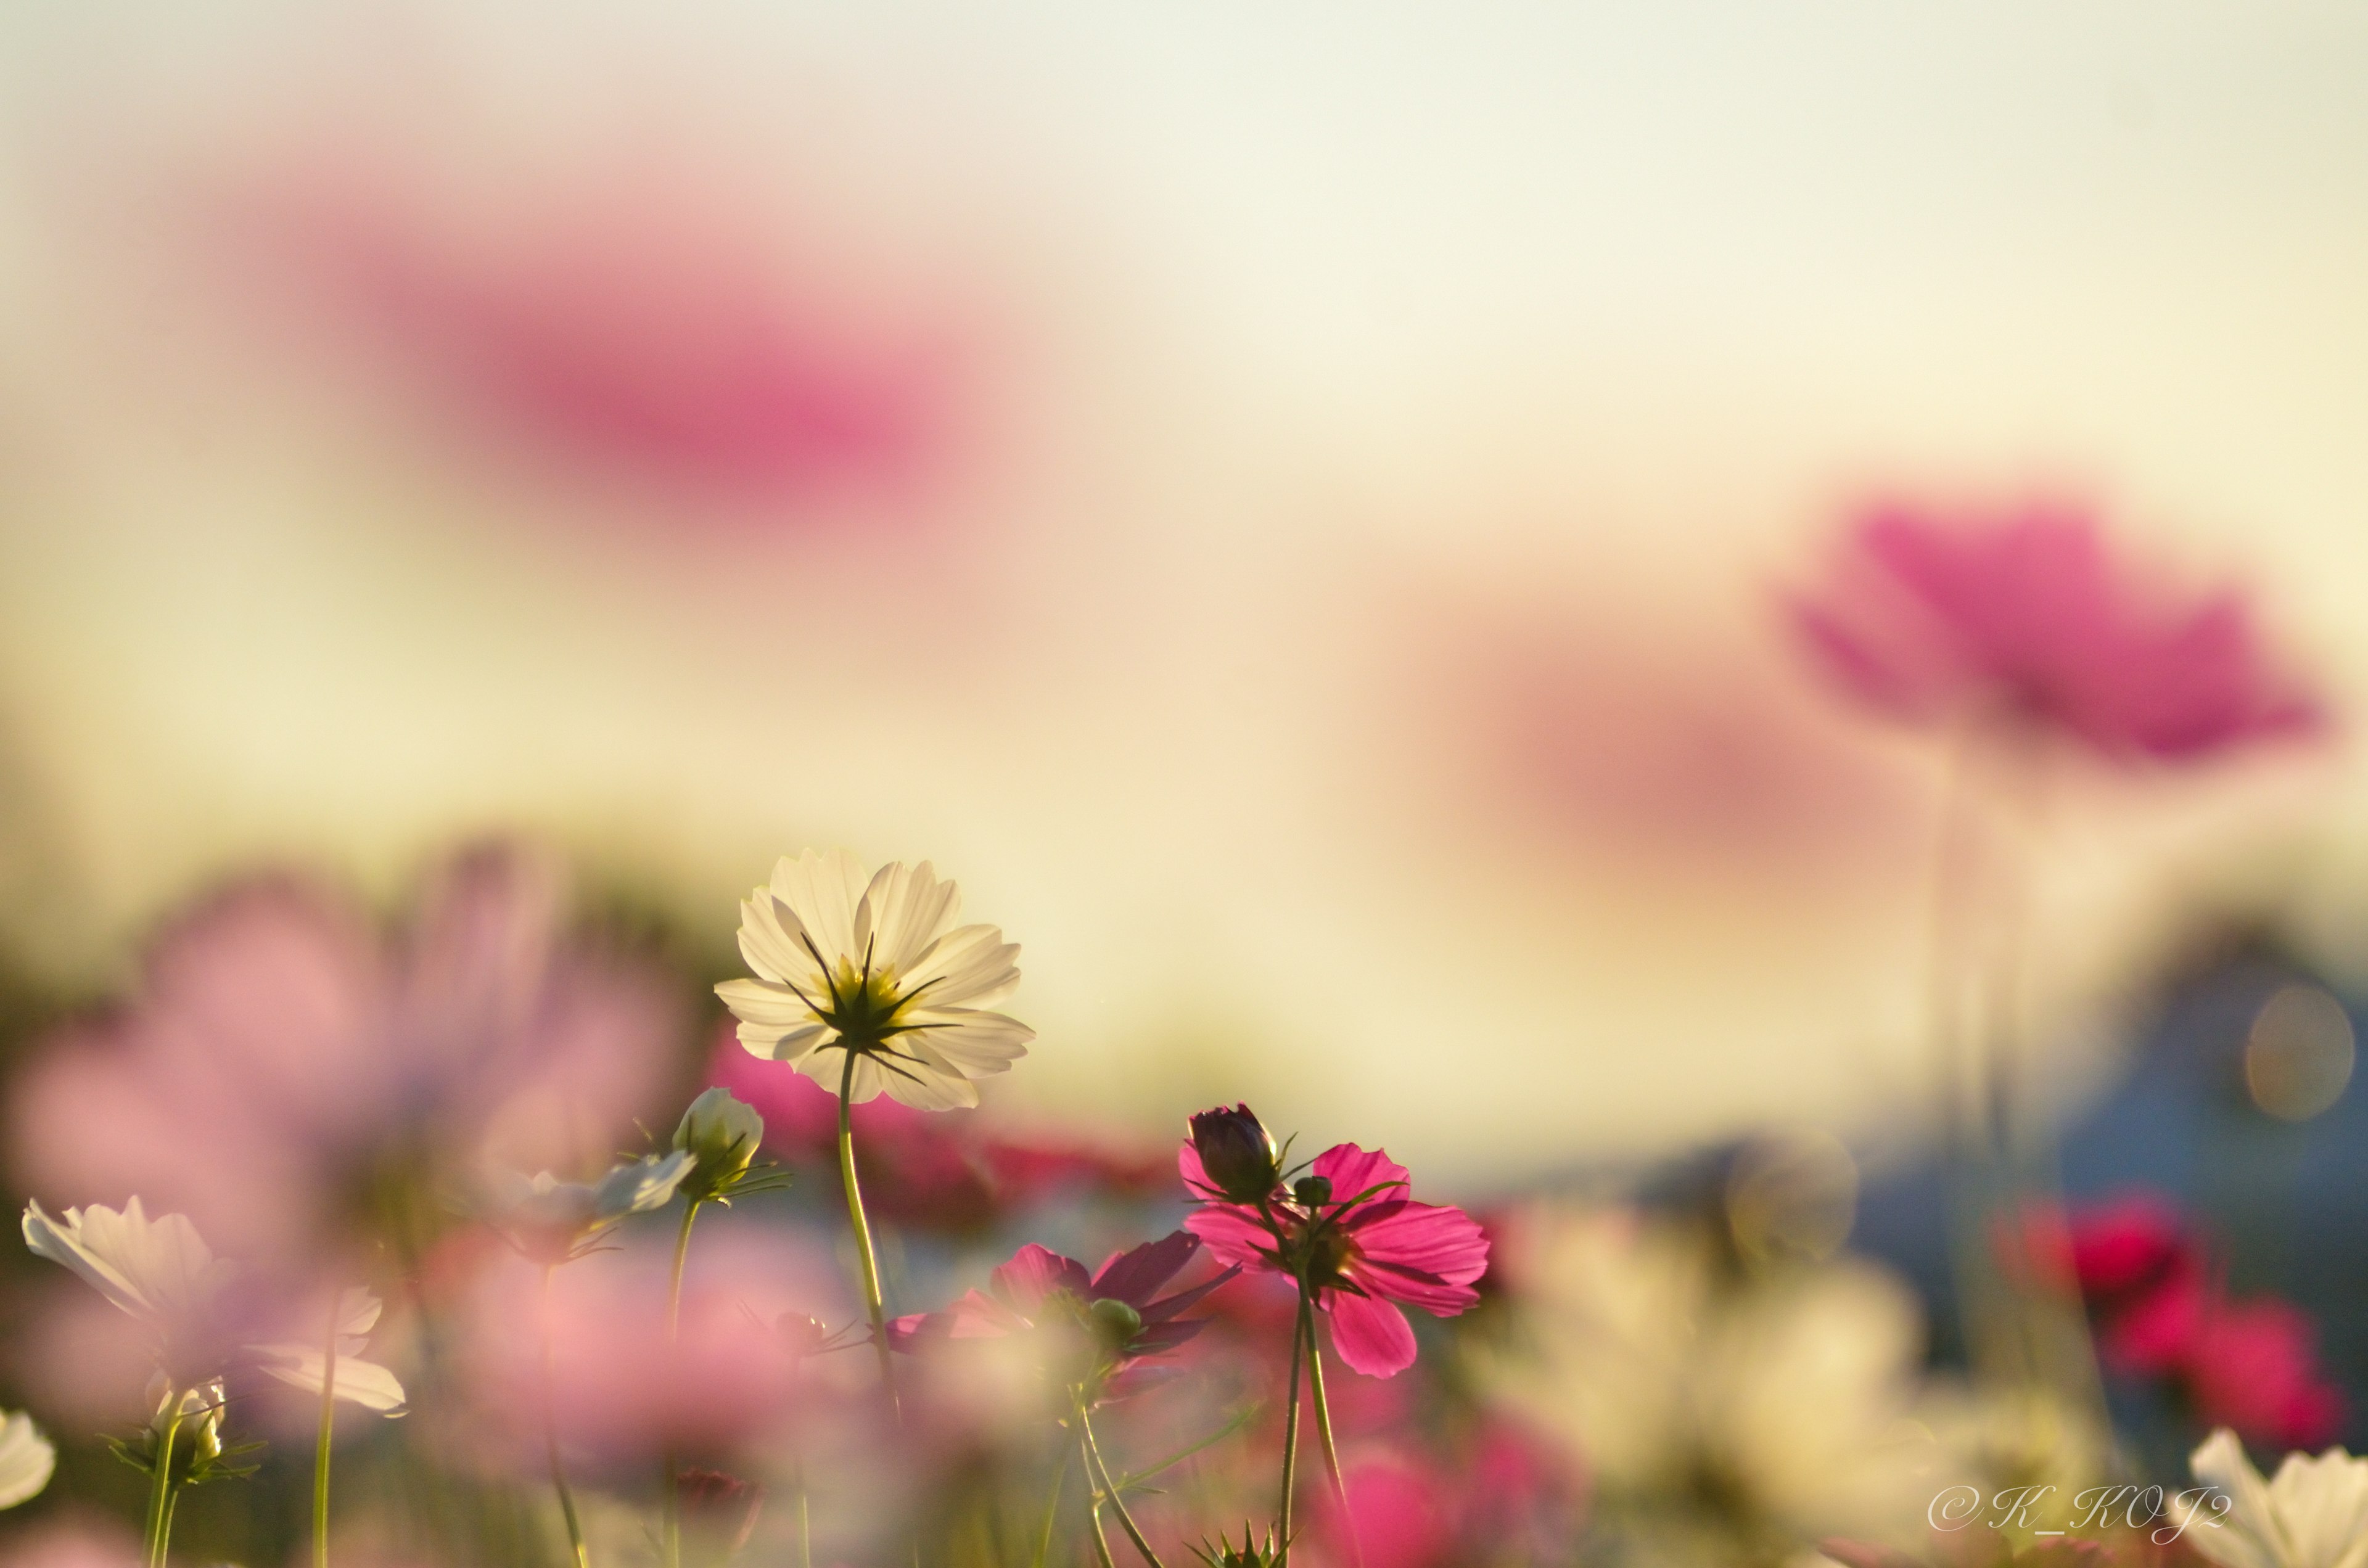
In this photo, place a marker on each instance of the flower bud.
(1312, 1191)
(1237, 1153)
(1114, 1324)
(800, 1335)
(721, 1134)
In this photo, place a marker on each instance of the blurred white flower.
(26, 1459)
(159, 1270)
(2314, 1514)
(874, 966)
(1724, 1417)
(162, 1272)
(552, 1221)
(366, 1383)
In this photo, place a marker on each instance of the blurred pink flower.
(631, 317)
(1498, 1495)
(621, 1394)
(930, 1171)
(1070, 1313)
(284, 1068)
(2028, 618)
(2161, 1314)
(1366, 1245)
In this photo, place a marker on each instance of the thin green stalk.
(1093, 1503)
(1110, 1488)
(160, 1491)
(550, 1437)
(1052, 1511)
(1331, 1453)
(673, 1526)
(1300, 1330)
(873, 1302)
(805, 1515)
(328, 1428)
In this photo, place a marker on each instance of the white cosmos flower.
(162, 1272)
(366, 1383)
(552, 1221)
(2313, 1515)
(875, 967)
(26, 1459)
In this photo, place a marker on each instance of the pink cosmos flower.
(1363, 1245)
(2161, 1314)
(285, 1065)
(2028, 618)
(1093, 1327)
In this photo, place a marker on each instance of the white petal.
(795, 1046)
(970, 967)
(26, 1459)
(908, 908)
(930, 1083)
(822, 891)
(764, 1002)
(2322, 1508)
(826, 1067)
(153, 1269)
(975, 1044)
(2248, 1537)
(771, 941)
(366, 1383)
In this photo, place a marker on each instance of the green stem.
(1109, 1487)
(873, 1302)
(805, 1515)
(1093, 1502)
(160, 1492)
(1300, 1330)
(1052, 1511)
(550, 1437)
(673, 1524)
(328, 1428)
(1331, 1453)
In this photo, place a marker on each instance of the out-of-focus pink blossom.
(1500, 1495)
(285, 1066)
(635, 318)
(2027, 618)
(2160, 1313)
(933, 1171)
(1364, 1245)
(2255, 1367)
(621, 1394)
(1042, 1294)
(68, 1547)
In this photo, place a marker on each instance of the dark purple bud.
(1237, 1153)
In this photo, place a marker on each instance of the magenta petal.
(1371, 1336)
(1133, 1277)
(1429, 1238)
(1351, 1171)
(1035, 1272)
(1233, 1234)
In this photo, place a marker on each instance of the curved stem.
(550, 1437)
(1109, 1487)
(1300, 1328)
(160, 1491)
(1331, 1453)
(1052, 1512)
(1093, 1503)
(873, 1302)
(328, 1431)
(672, 1529)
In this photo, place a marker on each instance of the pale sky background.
(1355, 389)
